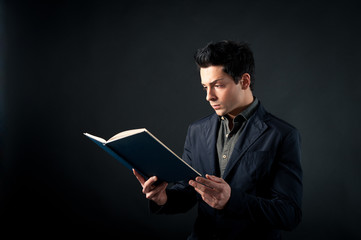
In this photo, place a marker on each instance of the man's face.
(224, 95)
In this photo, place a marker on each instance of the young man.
(252, 187)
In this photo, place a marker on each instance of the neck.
(241, 108)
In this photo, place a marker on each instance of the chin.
(220, 113)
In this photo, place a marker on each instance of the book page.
(126, 134)
(95, 138)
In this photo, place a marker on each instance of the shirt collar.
(246, 113)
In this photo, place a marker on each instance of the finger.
(204, 181)
(215, 178)
(139, 177)
(148, 185)
(207, 198)
(199, 191)
(199, 187)
(157, 190)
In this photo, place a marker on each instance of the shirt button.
(224, 156)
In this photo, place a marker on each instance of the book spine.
(112, 153)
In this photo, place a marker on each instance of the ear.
(245, 81)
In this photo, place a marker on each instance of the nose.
(210, 95)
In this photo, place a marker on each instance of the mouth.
(216, 106)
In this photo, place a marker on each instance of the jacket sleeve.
(282, 208)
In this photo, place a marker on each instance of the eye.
(204, 88)
(219, 85)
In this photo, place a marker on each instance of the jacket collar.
(254, 128)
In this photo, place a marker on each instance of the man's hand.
(214, 190)
(154, 193)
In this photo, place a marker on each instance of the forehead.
(212, 73)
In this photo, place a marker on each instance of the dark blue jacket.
(264, 173)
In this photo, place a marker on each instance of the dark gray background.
(69, 67)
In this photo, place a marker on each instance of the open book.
(141, 150)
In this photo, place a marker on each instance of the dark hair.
(235, 57)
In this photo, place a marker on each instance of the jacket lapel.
(211, 133)
(254, 128)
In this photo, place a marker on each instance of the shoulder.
(282, 128)
(280, 123)
(204, 125)
(275, 123)
(205, 120)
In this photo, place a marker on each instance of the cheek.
(222, 97)
(228, 97)
(235, 95)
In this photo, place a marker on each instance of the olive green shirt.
(227, 138)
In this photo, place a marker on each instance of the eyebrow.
(214, 81)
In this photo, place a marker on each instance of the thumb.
(139, 177)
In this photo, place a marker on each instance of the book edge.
(99, 139)
(166, 147)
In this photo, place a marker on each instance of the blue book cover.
(141, 150)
